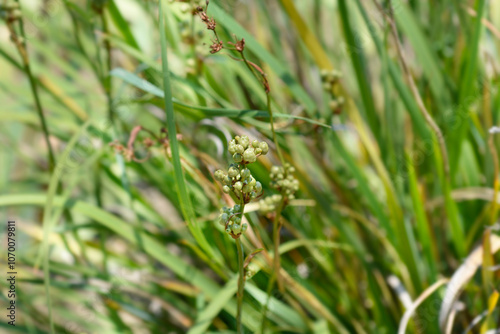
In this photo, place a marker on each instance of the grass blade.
(184, 199)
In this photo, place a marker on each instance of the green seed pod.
(236, 229)
(237, 220)
(252, 182)
(253, 195)
(237, 208)
(232, 149)
(244, 228)
(239, 149)
(264, 147)
(232, 172)
(238, 185)
(249, 155)
(247, 188)
(255, 143)
(275, 170)
(258, 151)
(245, 173)
(227, 180)
(224, 217)
(237, 157)
(219, 175)
(258, 187)
(226, 189)
(228, 229)
(244, 141)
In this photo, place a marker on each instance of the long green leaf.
(184, 199)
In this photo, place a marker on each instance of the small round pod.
(239, 149)
(237, 157)
(244, 141)
(245, 173)
(236, 228)
(264, 147)
(249, 155)
(232, 172)
(238, 185)
(258, 187)
(219, 175)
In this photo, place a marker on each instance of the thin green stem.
(107, 81)
(78, 40)
(269, 109)
(241, 271)
(23, 52)
(241, 286)
(271, 120)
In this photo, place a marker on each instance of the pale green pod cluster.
(330, 78)
(245, 152)
(238, 181)
(230, 219)
(270, 203)
(283, 180)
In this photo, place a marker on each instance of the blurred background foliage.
(378, 220)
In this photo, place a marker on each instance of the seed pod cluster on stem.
(239, 183)
(282, 179)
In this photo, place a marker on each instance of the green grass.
(107, 245)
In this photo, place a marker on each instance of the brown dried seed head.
(240, 45)
(216, 47)
(211, 24)
(204, 17)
